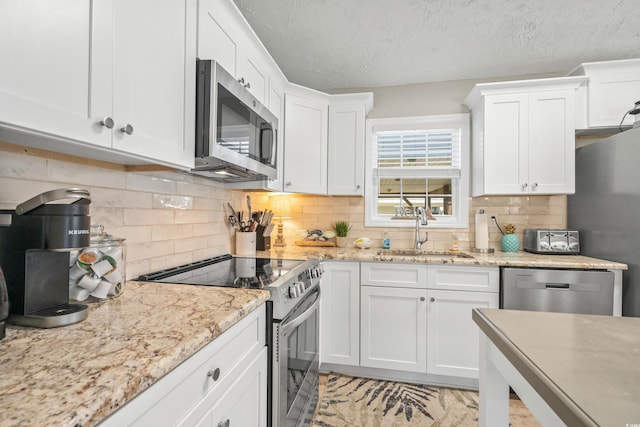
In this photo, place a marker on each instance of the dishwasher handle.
(557, 286)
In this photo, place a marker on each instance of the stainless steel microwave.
(236, 136)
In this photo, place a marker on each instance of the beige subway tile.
(171, 231)
(207, 204)
(169, 261)
(148, 250)
(14, 165)
(15, 191)
(84, 175)
(148, 216)
(149, 183)
(170, 201)
(132, 234)
(191, 189)
(107, 197)
(191, 244)
(191, 217)
(137, 268)
(109, 217)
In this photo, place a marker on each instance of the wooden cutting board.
(328, 243)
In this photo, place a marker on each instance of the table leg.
(494, 389)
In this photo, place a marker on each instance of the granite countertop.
(587, 368)
(77, 375)
(500, 259)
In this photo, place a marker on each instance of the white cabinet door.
(154, 79)
(54, 68)
(340, 314)
(78, 63)
(346, 150)
(244, 402)
(452, 337)
(225, 36)
(305, 138)
(393, 328)
(524, 136)
(505, 144)
(552, 142)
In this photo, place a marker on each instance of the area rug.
(351, 401)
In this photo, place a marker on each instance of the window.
(418, 161)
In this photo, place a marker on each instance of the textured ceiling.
(334, 44)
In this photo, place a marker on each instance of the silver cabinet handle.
(247, 85)
(432, 299)
(215, 374)
(358, 187)
(422, 298)
(225, 423)
(241, 81)
(128, 129)
(106, 122)
(524, 186)
(288, 184)
(534, 185)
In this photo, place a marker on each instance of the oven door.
(296, 361)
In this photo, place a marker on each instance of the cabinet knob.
(225, 423)
(534, 185)
(288, 184)
(432, 299)
(241, 80)
(215, 374)
(247, 85)
(422, 298)
(524, 186)
(128, 129)
(106, 122)
(358, 187)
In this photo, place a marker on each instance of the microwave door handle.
(265, 146)
(294, 323)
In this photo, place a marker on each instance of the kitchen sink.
(420, 253)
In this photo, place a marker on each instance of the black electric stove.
(287, 280)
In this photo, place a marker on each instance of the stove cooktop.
(226, 271)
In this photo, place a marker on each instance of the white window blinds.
(418, 148)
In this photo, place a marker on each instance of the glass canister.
(98, 270)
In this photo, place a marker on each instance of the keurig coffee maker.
(35, 241)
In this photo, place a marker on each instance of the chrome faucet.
(421, 219)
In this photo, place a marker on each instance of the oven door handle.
(299, 320)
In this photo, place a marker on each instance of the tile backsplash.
(318, 212)
(170, 218)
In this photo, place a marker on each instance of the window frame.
(460, 186)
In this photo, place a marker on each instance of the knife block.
(263, 243)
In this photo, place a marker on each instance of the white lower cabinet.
(225, 380)
(340, 313)
(242, 404)
(393, 328)
(405, 318)
(452, 337)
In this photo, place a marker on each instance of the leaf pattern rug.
(351, 401)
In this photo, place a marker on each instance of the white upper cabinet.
(613, 88)
(346, 143)
(523, 136)
(154, 79)
(226, 37)
(305, 139)
(111, 79)
(47, 78)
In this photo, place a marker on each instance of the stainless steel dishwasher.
(562, 291)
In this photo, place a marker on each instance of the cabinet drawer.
(394, 275)
(461, 278)
(167, 401)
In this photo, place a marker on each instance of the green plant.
(341, 228)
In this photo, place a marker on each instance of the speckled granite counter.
(585, 368)
(77, 375)
(501, 259)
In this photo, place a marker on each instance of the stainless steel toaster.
(557, 242)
